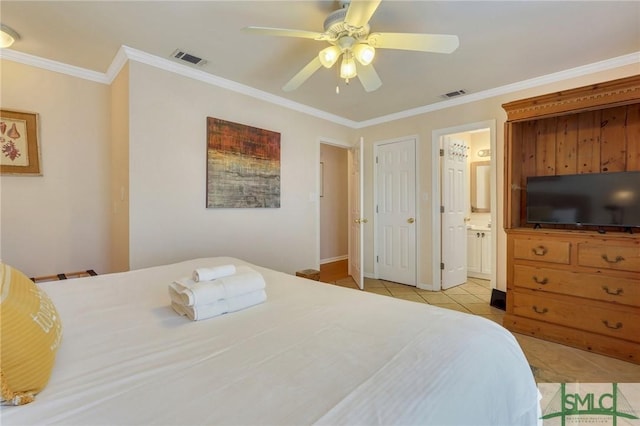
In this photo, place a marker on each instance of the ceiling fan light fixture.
(348, 67)
(364, 53)
(348, 32)
(7, 36)
(329, 56)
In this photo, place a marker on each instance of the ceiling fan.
(347, 30)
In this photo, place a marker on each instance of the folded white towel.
(207, 274)
(220, 307)
(189, 293)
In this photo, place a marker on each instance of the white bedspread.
(312, 353)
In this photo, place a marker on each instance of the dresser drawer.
(625, 291)
(543, 251)
(620, 257)
(580, 314)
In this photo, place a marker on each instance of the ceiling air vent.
(188, 57)
(454, 94)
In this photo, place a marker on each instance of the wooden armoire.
(576, 285)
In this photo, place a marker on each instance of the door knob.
(411, 220)
(360, 220)
(356, 220)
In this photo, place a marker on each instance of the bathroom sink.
(479, 227)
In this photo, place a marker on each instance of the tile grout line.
(389, 287)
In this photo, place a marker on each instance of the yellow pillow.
(30, 332)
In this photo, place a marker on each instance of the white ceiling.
(501, 43)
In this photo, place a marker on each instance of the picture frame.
(243, 166)
(19, 143)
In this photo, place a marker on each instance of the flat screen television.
(597, 199)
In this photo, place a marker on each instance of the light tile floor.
(551, 362)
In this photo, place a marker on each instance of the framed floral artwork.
(19, 144)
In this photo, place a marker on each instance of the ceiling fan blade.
(368, 77)
(360, 11)
(283, 32)
(303, 75)
(438, 43)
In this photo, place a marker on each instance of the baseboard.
(334, 259)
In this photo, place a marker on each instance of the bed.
(311, 354)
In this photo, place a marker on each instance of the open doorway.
(334, 212)
(472, 253)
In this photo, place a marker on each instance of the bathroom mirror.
(481, 186)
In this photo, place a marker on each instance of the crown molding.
(196, 74)
(117, 63)
(608, 94)
(55, 66)
(630, 59)
(126, 53)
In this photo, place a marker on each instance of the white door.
(356, 197)
(454, 202)
(396, 211)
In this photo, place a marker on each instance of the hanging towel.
(189, 293)
(223, 306)
(208, 274)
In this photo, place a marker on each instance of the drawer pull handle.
(616, 260)
(542, 281)
(617, 326)
(539, 251)
(540, 311)
(618, 292)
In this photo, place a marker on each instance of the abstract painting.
(243, 166)
(19, 150)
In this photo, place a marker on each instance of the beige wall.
(423, 125)
(119, 169)
(73, 217)
(168, 218)
(477, 142)
(58, 222)
(334, 204)
(124, 176)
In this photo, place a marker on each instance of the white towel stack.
(216, 291)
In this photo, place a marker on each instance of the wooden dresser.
(578, 286)
(579, 289)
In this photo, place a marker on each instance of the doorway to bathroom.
(464, 206)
